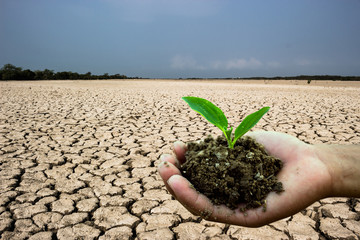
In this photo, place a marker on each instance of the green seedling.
(215, 116)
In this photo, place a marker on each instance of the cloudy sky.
(183, 38)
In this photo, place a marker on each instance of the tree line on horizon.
(312, 77)
(299, 77)
(11, 72)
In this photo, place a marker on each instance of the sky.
(183, 38)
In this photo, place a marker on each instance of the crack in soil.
(67, 126)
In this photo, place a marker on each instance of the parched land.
(78, 158)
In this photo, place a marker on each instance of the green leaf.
(228, 134)
(250, 121)
(209, 111)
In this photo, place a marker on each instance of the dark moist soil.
(245, 174)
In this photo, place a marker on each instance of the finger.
(167, 169)
(179, 150)
(198, 204)
(278, 144)
(250, 218)
(265, 138)
(171, 159)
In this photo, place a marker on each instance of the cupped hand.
(304, 176)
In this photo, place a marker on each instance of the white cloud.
(185, 62)
(188, 62)
(240, 63)
(303, 62)
(273, 64)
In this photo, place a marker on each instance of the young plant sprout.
(215, 116)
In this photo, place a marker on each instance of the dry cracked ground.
(78, 158)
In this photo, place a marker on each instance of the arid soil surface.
(78, 158)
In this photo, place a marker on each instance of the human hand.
(304, 176)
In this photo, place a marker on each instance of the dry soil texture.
(78, 158)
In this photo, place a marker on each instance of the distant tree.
(118, 76)
(87, 75)
(48, 74)
(104, 76)
(74, 75)
(10, 72)
(39, 75)
(27, 75)
(62, 75)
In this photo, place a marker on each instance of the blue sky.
(183, 38)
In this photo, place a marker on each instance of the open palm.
(304, 176)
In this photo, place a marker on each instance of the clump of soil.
(244, 174)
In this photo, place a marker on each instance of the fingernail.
(160, 165)
(171, 181)
(178, 144)
(163, 157)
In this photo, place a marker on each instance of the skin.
(310, 173)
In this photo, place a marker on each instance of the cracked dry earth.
(78, 158)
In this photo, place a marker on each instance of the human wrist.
(343, 165)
